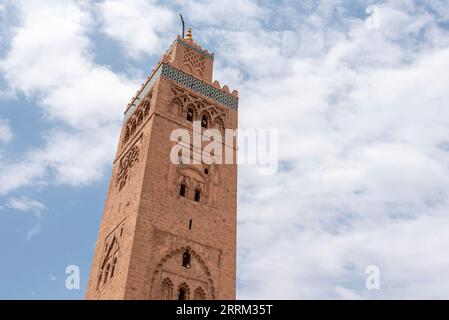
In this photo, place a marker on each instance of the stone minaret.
(169, 228)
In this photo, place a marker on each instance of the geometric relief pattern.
(183, 102)
(109, 261)
(126, 163)
(199, 294)
(189, 46)
(170, 289)
(195, 61)
(137, 118)
(199, 86)
(167, 289)
(194, 181)
(186, 80)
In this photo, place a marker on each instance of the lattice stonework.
(202, 52)
(195, 60)
(199, 86)
(126, 163)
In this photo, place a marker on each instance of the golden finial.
(189, 34)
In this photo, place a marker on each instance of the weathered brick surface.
(145, 225)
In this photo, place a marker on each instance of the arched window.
(199, 294)
(204, 121)
(206, 171)
(182, 294)
(166, 289)
(186, 259)
(190, 115)
(182, 190)
(197, 195)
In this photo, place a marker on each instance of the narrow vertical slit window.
(182, 190)
(186, 259)
(197, 195)
(107, 273)
(182, 294)
(190, 115)
(204, 122)
(113, 267)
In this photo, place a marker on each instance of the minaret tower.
(169, 228)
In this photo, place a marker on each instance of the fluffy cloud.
(364, 176)
(141, 27)
(71, 159)
(49, 60)
(5, 131)
(26, 204)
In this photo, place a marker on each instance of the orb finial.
(189, 34)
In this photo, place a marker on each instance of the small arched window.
(197, 195)
(190, 115)
(204, 121)
(167, 289)
(182, 294)
(206, 171)
(186, 259)
(182, 190)
(199, 294)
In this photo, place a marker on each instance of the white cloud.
(34, 231)
(363, 123)
(26, 204)
(5, 131)
(225, 14)
(49, 60)
(141, 27)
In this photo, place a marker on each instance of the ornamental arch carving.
(170, 267)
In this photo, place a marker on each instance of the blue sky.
(362, 114)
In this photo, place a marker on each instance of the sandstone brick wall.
(147, 226)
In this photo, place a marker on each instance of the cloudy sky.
(361, 105)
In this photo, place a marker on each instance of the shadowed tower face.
(169, 227)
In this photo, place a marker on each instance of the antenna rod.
(183, 25)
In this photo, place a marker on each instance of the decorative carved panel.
(126, 163)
